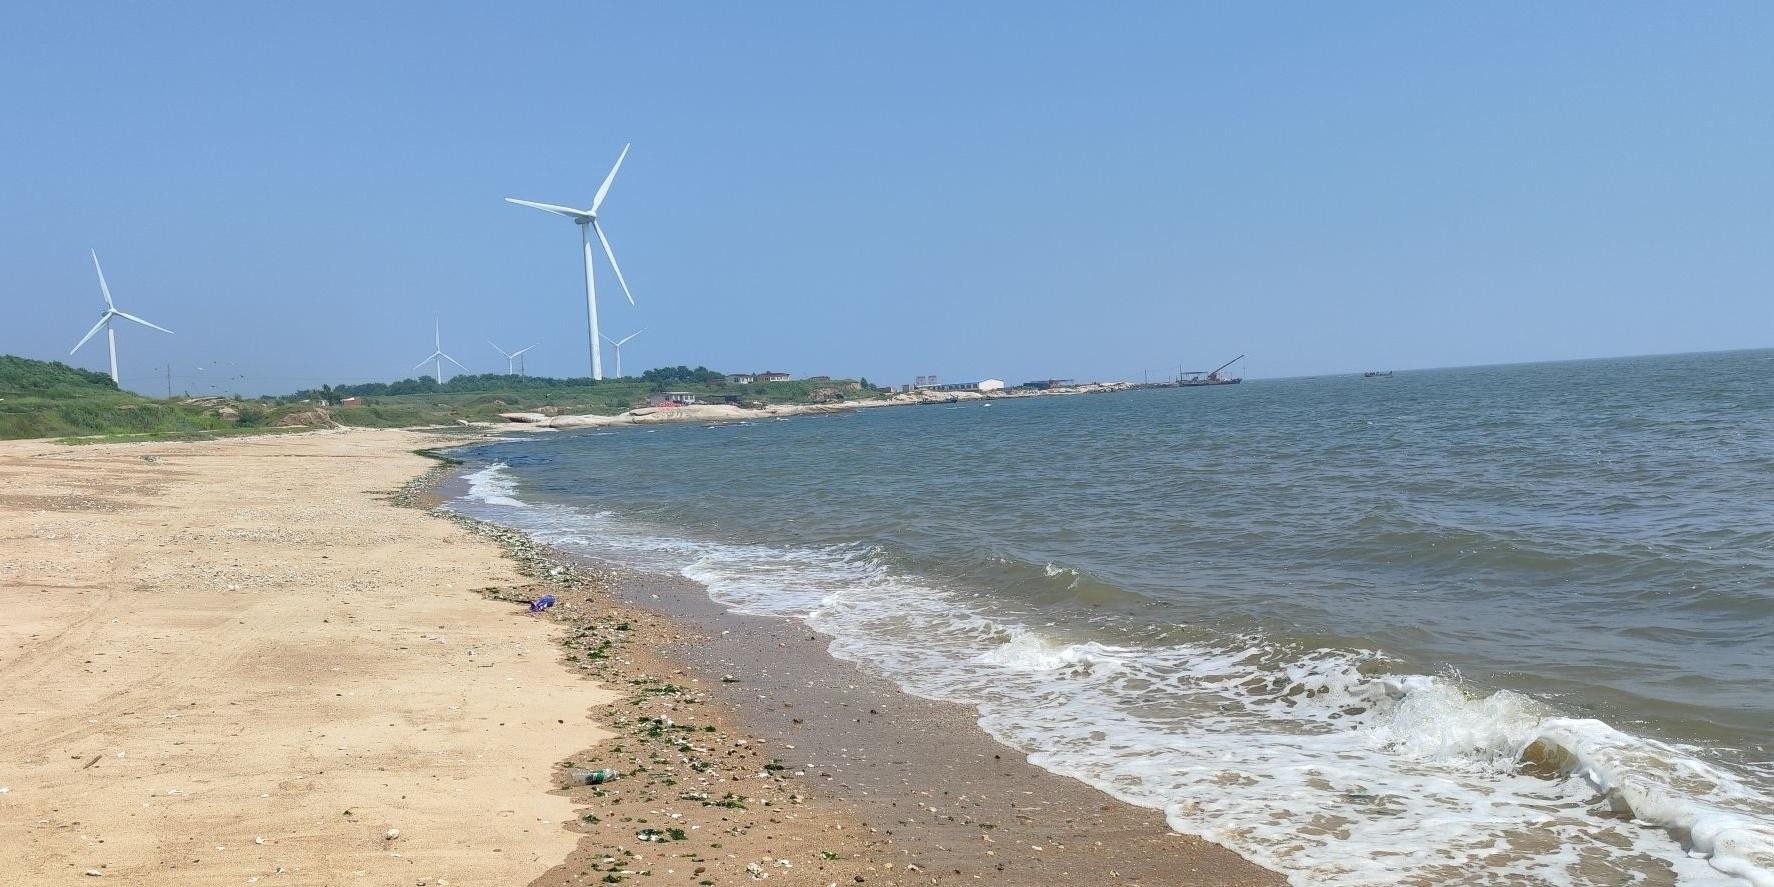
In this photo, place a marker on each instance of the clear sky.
(1018, 190)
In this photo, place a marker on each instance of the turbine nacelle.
(587, 220)
(105, 317)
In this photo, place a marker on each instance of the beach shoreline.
(242, 660)
(720, 413)
(932, 797)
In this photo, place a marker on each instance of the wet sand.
(921, 793)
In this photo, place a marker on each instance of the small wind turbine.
(586, 219)
(105, 319)
(438, 355)
(618, 346)
(511, 357)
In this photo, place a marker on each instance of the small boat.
(1371, 374)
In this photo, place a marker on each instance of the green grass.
(47, 399)
(40, 399)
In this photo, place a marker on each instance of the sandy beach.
(241, 661)
(232, 660)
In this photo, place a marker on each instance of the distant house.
(740, 378)
(772, 377)
(681, 398)
(1047, 384)
(351, 402)
(982, 385)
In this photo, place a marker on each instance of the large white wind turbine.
(618, 346)
(438, 355)
(105, 319)
(512, 357)
(586, 219)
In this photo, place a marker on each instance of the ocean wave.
(493, 485)
(1323, 764)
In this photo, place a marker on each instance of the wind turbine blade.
(632, 335)
(103, 287)
(567, 211)
(611, 254)
(605, 187)
(427, 360)
(127, 316)
(451, 360)
(522, 350)
(92, 332)
(610, 340)
(500, 350)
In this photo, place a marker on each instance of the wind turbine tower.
(110, 313)
(438, 354)
(513, 359)
(618, 346)
(586, 219)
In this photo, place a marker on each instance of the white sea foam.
(1301, 760)
(492, 485)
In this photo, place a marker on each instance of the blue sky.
(1012, 190)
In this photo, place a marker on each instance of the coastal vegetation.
(483, 397)
(50, 399)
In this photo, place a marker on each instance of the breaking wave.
(1320, 763)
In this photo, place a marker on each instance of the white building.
(982, 385)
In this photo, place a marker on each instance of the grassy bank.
(481, 398)
(41, 399)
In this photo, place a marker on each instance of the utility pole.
(169, 381)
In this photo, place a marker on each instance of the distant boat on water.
(1374, 374)
(1211, 377)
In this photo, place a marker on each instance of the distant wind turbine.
(438, 355)
(586, 219)
(618, 346)
(105, 319)
(511, 357)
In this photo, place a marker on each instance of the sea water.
(1500, 625)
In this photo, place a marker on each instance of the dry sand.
(232, 660)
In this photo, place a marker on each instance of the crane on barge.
(1212, 377)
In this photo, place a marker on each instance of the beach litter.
(542, 603)
(594, 777)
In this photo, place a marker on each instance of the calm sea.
(1500, 625)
